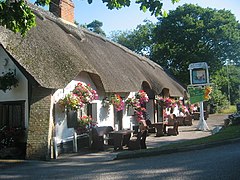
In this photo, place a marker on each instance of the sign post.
(199, 79)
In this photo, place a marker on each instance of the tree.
(227, 80)
(96, 26)
(194, 34)
(138, 40)
(18, 17)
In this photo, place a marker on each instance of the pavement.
(214, 122)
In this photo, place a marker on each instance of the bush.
(235, 119)
(219, 100)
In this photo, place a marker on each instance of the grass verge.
(230, 132)
(230, 110)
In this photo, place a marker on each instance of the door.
(118, 116)
(12, 125)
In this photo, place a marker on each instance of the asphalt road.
(222, 162)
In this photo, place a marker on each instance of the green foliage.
(228, 77)
(194, 34)
(111, 4)
(219, 100)
(138, 40)
(7, 81)
(230, 110)
(16, 16)
(96, 26)
(42, 2)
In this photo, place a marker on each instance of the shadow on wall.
(104, 113)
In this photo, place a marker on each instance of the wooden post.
(75, 149)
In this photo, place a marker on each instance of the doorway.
(118, 116)
(12, 129)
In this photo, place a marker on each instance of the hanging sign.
(198, 94)
(199, 73)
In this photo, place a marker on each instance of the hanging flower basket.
(117, 102)
(106, 102)
(69, 102)
(136, 103)
(82, 94)
(7, 81)
(165, 102)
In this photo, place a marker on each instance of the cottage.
(51, 60)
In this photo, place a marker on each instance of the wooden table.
(121, 138)
(180, 120)
(196, 115)
(160, 128)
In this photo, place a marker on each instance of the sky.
(129, 17)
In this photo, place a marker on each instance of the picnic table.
(121, 138)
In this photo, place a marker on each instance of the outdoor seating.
(159, 128)
(121, 138)
(138, 142)
(98, 135)
(180, 120)
(134, 143)
(196, 115)
(173, 131)
(188, 120)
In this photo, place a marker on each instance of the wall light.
(5, 62)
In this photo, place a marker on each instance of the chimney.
(63, 9)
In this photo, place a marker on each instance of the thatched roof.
(54, 53)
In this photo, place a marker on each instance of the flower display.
(142, 96)
(69, 102)
(136, 103)
(168, 102)
(133, 102)
(82, 94)
(84, 124)
(117, 102)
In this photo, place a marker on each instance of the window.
(12, 114)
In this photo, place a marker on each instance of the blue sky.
(128, 18)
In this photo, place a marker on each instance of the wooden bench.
(173, 131)
(99, 135)
(188, 120)
(138, 142)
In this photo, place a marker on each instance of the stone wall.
(39, 129)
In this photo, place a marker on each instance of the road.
(222, 162)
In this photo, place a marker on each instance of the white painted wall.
(150, 110)
(21, 91)
(105, 116)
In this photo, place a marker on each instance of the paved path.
(188, 132)
(185, 133)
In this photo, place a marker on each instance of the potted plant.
(7, 81)
(84, 124)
